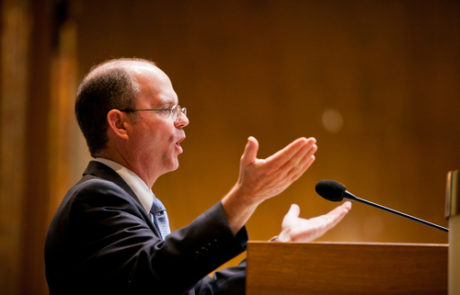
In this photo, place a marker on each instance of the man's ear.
(117, 120)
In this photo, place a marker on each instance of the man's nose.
(181, 121)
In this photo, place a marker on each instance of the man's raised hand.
(260, 179)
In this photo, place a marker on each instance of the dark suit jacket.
(101, 241)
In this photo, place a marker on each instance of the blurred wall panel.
(15, 32)
(36, 155)
(38, 69)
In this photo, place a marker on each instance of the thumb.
(292, 214)
(250, 151)
(294, 210)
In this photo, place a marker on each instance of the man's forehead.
(153, 83)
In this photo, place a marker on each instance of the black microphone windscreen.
(330, 190)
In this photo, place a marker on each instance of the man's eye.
(165, 111)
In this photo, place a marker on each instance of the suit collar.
(97, 169)
(137, 184)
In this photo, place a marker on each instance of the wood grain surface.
(339, 268)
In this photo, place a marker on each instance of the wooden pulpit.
(346, 268)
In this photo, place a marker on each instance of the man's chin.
(174, 166)
(169, 165)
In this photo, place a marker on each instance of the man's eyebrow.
(163, 103)
(167, 102)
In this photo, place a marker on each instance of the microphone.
(333, 191)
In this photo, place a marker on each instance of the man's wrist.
(238, 208)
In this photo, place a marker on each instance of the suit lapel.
(99, 170)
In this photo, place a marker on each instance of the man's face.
(155, 136)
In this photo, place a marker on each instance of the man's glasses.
(173, 112)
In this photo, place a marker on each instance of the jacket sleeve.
(115, 246)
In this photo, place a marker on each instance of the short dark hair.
(103, 89)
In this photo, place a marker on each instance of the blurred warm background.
(376, 82)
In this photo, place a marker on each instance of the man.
(110, 234)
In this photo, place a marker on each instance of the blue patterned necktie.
(160, 217)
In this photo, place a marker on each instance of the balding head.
(110, 85)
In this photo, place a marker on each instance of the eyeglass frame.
(182, 110)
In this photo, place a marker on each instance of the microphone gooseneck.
(334, 191)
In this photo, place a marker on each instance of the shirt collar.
(139, 187)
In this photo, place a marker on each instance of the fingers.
(250, 151)
(307, 165)
(296, 168)
(340, 210)
(265, 178)
(298, 159)
(336, 215)
(297, 172)
(287, 153)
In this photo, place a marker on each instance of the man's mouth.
(178, 144)
(180, 140)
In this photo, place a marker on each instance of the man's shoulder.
(93, 191)
(90, 187)
(95, 197)
(91, 182)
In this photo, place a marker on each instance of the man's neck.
(139, 169)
